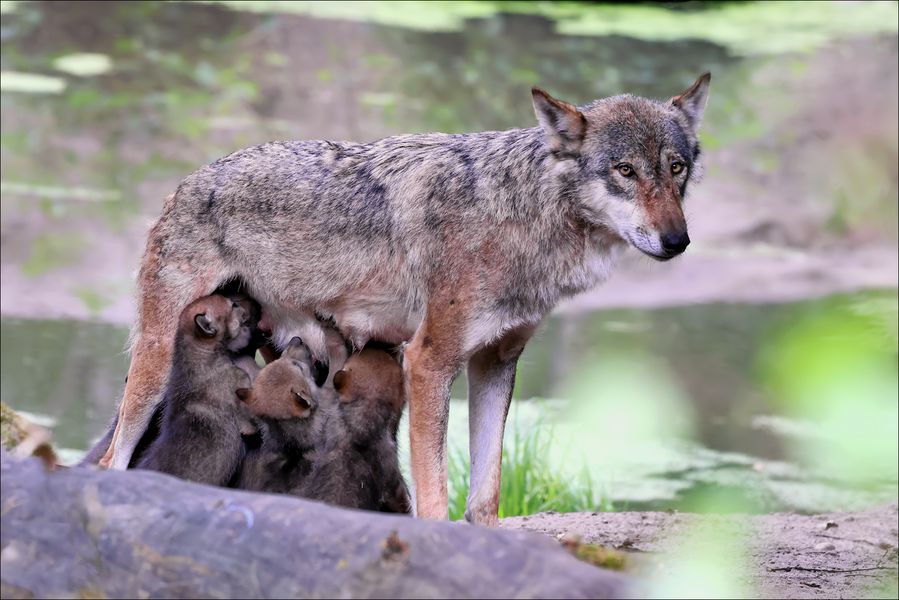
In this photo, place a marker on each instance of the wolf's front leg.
(147, 376)
(429, 369)
(491, 379)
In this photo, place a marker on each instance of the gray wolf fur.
(456, 244)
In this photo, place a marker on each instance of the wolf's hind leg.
(99, 449)
(164, 291)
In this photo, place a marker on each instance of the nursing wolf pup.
(357, 467)
(456, 244)
(200, 430)
(242, 357)
(292, 416)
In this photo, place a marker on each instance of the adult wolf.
(456, 244)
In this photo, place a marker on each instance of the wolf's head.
(632, 159)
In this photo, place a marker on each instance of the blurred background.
(760, 367)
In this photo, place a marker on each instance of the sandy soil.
(836, 555)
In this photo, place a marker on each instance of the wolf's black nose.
(675, 243)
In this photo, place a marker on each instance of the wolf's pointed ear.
(563, 123)
(692, 102)
(204, 326)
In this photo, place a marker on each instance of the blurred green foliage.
(710, 562)
(52, 251)
(837, 368)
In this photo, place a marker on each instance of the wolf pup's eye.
(625, 169)
(677, 167)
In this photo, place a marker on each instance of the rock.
(88, 533)
(829, 525)
(825, 547)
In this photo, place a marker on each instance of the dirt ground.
(835, 555)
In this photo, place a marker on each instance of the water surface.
(72, 374)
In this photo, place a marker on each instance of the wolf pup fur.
(243, 358)
(200, 431)
(292, 417)
(358, 466)
(456, 244)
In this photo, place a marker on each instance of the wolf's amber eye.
(625, 169)
(677, 167)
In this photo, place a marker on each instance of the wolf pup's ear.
(204, 326)
(692, 102)
(341, 380)
(563, 123)
(301, 401)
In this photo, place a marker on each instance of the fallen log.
(89, 533)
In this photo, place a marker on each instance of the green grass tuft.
(531, 483)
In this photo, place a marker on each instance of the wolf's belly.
(389, 321)
(358, 321)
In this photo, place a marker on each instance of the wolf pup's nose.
(675, 243)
